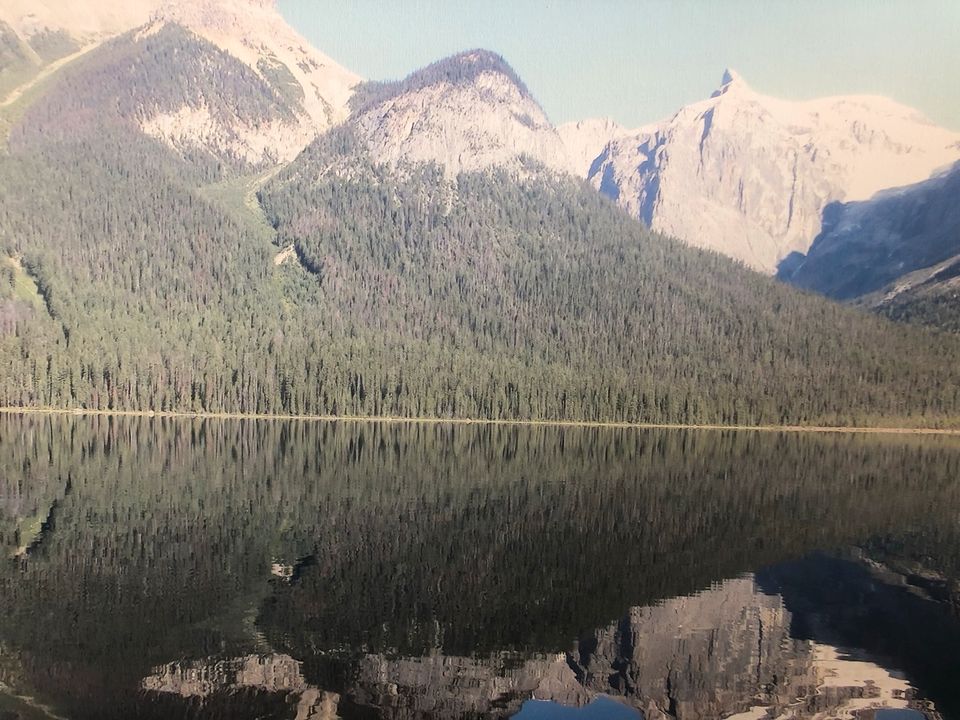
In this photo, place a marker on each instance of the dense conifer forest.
(937, 310)
(150, 280)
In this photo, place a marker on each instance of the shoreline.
(78, 412)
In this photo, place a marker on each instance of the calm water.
(194, 569)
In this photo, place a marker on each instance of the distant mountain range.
(749, 176)
(202, 212)
(741, 173)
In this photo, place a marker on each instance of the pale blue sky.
(639, 60)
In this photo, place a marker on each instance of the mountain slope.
(393, 286)
(310, 85)
(172, 85)
(898, 250)
(254, 32)
(585, 141)
(532, 296)
(467, 112)
(749, 175)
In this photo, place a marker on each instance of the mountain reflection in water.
(235, 569)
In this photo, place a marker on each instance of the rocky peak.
(749, 175)
(467, 112)
(731, 81)
(467, 66)
(462, 70)
(250, 30)
(255, 33)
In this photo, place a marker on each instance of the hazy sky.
(639, 60)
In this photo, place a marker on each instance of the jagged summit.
(731, 76)
(749, 175)
(731, 80)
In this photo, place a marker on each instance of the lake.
(161, 568)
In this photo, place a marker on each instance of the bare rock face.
(442, 686)
(901, 241)
(709, 655)
(254, 32)
(466, 113)
(84, 20)
(585, 141)
(749, 175)
(726, 652)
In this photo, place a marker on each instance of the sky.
(638, 61)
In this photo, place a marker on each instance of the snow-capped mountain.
(467, 112)
(749, 175)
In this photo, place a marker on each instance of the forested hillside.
(173, 85)
(20, 59)
(501, 295)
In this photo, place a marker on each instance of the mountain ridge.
(315, 87)
(467, 112)
(443, 264)
(749, 175)
(897, 252)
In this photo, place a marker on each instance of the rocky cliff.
(749, 175)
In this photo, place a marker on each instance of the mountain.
(585, 140)
(722, 652)
(898, 252)
(246, 41)
(533, 287)
(467, 112)
(426, 257)
(82, 21)
(749, 175)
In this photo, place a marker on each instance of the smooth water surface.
(159, 568)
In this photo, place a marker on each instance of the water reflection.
(240, 569)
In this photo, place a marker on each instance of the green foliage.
(504, 298)
(52, 45)
(937, 309)
(493, 296)
(282, 80)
